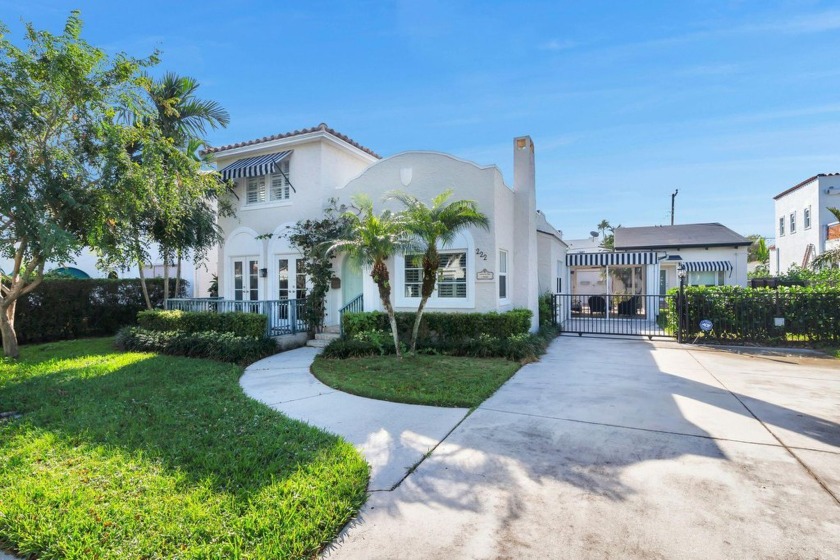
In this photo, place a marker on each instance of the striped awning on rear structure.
(707, 266)
(605, 258)
(253, 166)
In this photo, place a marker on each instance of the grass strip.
(432, 380)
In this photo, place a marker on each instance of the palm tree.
(184, 118)
(435, 225)
(371, 240)
(181, 115)
(603, 227)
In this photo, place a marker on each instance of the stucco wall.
(791, 247)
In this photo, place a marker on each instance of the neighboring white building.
(804, 226)
(285, 178)
(645, 260)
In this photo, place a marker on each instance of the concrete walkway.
(613, 448)
(393, 437)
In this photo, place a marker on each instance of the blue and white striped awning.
(707, 266)
(605, 258)
(253, 166)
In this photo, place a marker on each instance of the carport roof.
(684, 235)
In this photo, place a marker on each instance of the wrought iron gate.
(640, 314)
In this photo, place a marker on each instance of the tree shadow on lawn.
(190, 415)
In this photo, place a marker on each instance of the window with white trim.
(503, 275)
(451, 279)
(280, 187)
(793, 222)
(806, 217)
(452, 276)
(782, 226)
(705, 278)
(256, 190)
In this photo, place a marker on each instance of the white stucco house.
(633, 279)
(804, 226)
(284, 178)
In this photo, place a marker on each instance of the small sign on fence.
(706, 325)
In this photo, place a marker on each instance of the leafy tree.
(312, 238)
(831, 257)
(758, 251)
(433, 226)
(371, 239)
(178, 198)
(57, 99)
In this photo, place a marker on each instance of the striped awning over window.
(610, 259)
(253, 166)
(707, 266)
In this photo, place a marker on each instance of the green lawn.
(432, 380)
(130, 455)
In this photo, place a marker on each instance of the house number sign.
(484, 275)
(481, 254)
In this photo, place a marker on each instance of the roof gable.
(684, 235)
(803, 183)
(320, 128)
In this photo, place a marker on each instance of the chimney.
(525, 269)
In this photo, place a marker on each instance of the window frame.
(782, 226)
(462, 243)
(503, 282)
(806, 217)
(266, 182)
(792, 222)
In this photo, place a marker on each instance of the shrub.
(546, 302)
(447, 327)
(811, 314)
(240, 324)
(351, 348)
(62, 308)
(225, 347)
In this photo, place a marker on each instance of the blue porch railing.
(285, 316)
(355, 305)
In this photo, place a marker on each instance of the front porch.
(285, 316)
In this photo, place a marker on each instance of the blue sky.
(729, 102)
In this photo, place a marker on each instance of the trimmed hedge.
(61, 308)
(225, 347)
(436, 326)
(522, 347)
(811, 314)
(240, 324)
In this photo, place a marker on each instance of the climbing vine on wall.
(312, 238)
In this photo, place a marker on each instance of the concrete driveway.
(614, 448)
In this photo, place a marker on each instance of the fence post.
(292, 304)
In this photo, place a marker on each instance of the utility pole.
(673, 196)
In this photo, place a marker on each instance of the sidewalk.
(393, 437)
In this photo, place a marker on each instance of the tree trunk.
(165, 280)
(143, 285)
(7, 330)
(178, 276)
(431, 264)
(380, 276)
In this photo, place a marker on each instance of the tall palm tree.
(433, 226)
(183, 117)
(603, 227)
(371, 240)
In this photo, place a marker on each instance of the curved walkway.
(393, 437)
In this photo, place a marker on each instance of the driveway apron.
(611, 448)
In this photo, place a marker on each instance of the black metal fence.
(639, 314)
(760, 316)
